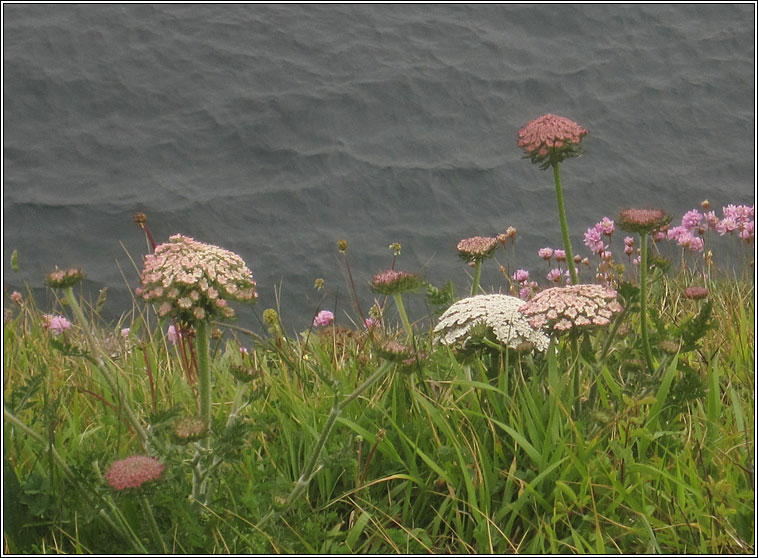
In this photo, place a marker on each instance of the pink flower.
(524, 293)
(323, 318)
(172, 334)
(394, 282)
(369, 323)
(555, 275)
(133, 472)
(573, 306)
(17, 297)
(521, 275)
(477, 248)
(125, 332)
(606, 226)
(691, 220)
(551, 139)
(545, 253)
(560, 255)
(593, 239)
(56, 324)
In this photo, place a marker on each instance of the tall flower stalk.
(191, 282)
(393, 282)
(644, 222)
(547, 141)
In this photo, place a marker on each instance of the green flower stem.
(403, 316)
(102, 359)
(203, 372)
(153, 525)
(643, 302)
(310, 467)
(477, 274)
(564, 225)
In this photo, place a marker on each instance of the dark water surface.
(275, 130)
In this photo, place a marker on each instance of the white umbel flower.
(498, 312)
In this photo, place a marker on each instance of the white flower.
(496, 311)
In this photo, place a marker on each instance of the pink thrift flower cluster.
(593, 238)
(55, 324)
(477, 248)
(133, 472)
(739, 219)
(525, 286)
(551, 139)
(323, 318)
(572, 306)
(191, 280)
(690, 233)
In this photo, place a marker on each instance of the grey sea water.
(275, 130)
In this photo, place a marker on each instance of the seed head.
(695, 293)
(189, 429)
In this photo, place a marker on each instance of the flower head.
(695, 293)
(189, 429)
(64, 278)
(521, 275)
(643, 221)
(477, 248)
(17, 297)
(545, 253)
(56, 324)
(323, 318)
(550, 139)
(497, 312)
(572, 306)
(172, 334)
(192, 281)
(133, 472)
(394, 282)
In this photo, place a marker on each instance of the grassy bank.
(482, 450)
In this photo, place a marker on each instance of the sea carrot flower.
(323, 318)
(477, 248)
(133, 472)
(497, 312)
(643, 221)
(695, 293)
(551, 139)
(191, 281)
(394, 282)
(64, 278)
(55, 324)
(189, 429)
(571, 307)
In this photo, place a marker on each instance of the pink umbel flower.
(545, 253)
(133, 472)
(64, 278)
(55, 324)
(477, 248)
(695, 293)
(191, 280)
(572, 307)
(551, 139)
(323, 318)
(643, 221)
(394, 282)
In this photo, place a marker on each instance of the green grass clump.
(325, 443)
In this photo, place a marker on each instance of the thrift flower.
(560, 255)
(323, 318)
(172, 334)
(133, 472)
(521, 275)
(572, 307)
(545, 253)
(555, 275)
(17, 297)
(551, 139)
(191, 281)
(593, 239)
(497, 312)
(56, 324)
(125, 332)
